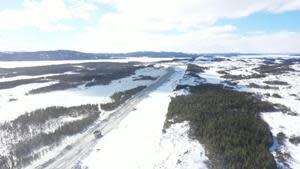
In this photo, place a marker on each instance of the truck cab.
(98, 134)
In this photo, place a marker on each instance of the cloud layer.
(130, 25)
(45, 15)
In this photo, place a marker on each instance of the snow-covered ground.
(138, 142)
(15, 101)
(71, 97)
(287, 95)
(178, 151)
(14, 64)
(7, 79)
(289, 125)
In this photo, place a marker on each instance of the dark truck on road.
(98, 134)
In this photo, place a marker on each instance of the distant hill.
(74, 55)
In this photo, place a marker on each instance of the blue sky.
(11, 4)
(135, 25)
(266, 22)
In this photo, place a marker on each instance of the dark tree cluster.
(229, 76)
(195, 68)
(15, 83)
(54, 87)
(75, 55)
(274, 69)
(88, 74)
(283, 157)
(254, 85)
(294, 140)
(228, 123)
(276, 82)
(142, 77)
(263, 71)
(24, 151)
(120, 97)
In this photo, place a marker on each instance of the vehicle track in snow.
(71, 156)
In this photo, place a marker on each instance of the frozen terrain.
(71, 97)
(140, 135)
(158, 153)
(274, 78)
(16, 101)
(133, 135)
(14, 64)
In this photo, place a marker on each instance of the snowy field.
(14, 64)
(16, 101)
(138, 142)
(140, 132)
(71, 97)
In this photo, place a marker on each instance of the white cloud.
(183, 15)
(150, 25)
(209, 39)
(46, 15)
(145, 15)
(283, 6)
(177, 25)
